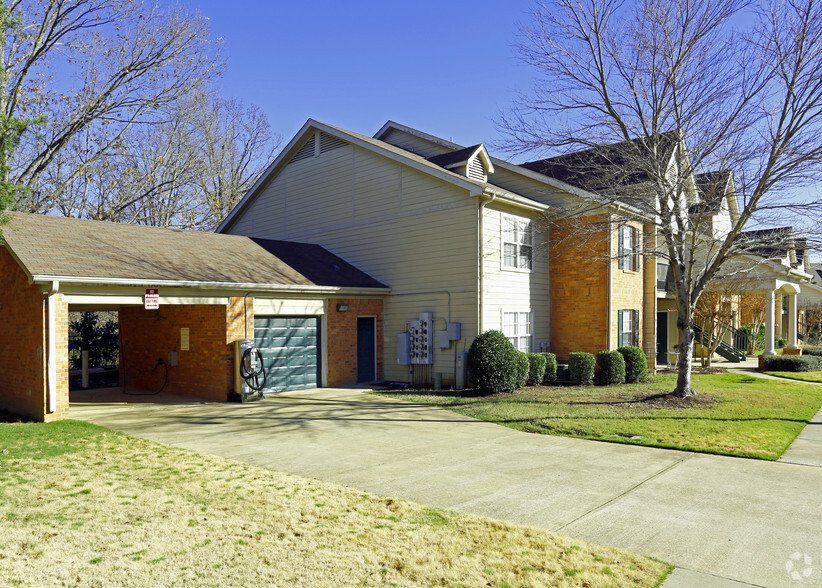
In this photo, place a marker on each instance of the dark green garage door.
(290, 349)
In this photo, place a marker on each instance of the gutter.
(243, 287)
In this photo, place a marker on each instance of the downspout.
(609, 304)
(51, 366)
(480, 257)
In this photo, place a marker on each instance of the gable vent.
(329, 142)
(476, 171)
(305, 151)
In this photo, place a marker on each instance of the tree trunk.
(684, 325)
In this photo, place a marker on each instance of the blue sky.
(444, 67)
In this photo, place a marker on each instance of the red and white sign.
(152, 299)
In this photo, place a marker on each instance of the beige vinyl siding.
(512, 290)
(531, 188)
(411, 231)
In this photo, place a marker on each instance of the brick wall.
(579, 285)
(627, 290)
(236, 328)
(62, 360)
(342, 339)
(22, 342)
(204, 371)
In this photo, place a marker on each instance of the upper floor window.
(517, 243)
(517, 327)
(628, 248)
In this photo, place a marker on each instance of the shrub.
(581, 367)
(815, 351)
(523, 367)
(611, 368)
(793, 363)
(536, 370)
(550, 368)
(636, 363)
(780, 343)
(492, 363)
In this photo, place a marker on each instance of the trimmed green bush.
(550, 368)
(636, 363)
(536, 371)
(581, 367)
(610, 368)
(492, 363)
(793, 363)
(815, 351)
(523, 367)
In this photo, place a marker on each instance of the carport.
(182, 298)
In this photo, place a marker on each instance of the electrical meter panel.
(403, 349)
(421, 338)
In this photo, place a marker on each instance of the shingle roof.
(711, 187)
(73, 248)
(768, 243)
(458, 156)
(600, 167)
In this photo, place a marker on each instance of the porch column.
(769, 324)
(792, 315)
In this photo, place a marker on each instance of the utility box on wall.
(403, 349)
(461, 379)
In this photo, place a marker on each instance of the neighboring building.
(459, 233)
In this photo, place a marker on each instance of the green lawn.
(743, 416)
(84, 506)
(802, 376)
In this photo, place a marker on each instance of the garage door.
(290, 349)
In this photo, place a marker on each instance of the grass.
(802, 376)
(82, 505)
(738, 415)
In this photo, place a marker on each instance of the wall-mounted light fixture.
(343, 307)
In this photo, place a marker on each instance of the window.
(517, 327)
(517, 243)
(628, 327)
(628, 248)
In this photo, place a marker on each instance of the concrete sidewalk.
(733, 519)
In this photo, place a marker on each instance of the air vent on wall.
(476, 171)
(329, 142)
(305, 151)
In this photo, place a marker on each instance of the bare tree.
(188, 169)
(675, 89)
(88, 71)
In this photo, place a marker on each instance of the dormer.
(472, 162)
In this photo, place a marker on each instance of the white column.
(769, 324)
(792, 320)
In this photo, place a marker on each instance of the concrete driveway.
(733, 518)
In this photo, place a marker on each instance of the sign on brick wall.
(152, 299)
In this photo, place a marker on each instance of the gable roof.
(711, 188)
(474, 187)
(462, 156)
(601, 167)
(100, 252)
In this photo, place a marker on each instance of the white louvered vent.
(305, 151)
(329, 142)
(476, 171)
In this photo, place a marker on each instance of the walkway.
(731, 518)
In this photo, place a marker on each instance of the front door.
(366, 349)
(662, 337)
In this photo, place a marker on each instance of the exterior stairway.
(734, 353)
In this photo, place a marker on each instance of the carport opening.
(95, 334)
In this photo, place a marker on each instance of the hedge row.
(496, 367)
(793, 363)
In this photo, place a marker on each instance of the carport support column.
(51, 367)
(792, 340)
(769, 323)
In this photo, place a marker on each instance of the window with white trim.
(628, 248)
(628, 327)
(517, 327)
(517, 243)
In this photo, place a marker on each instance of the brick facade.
(579, 285)
(147, 336)
(627, 287)
(342, 338)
